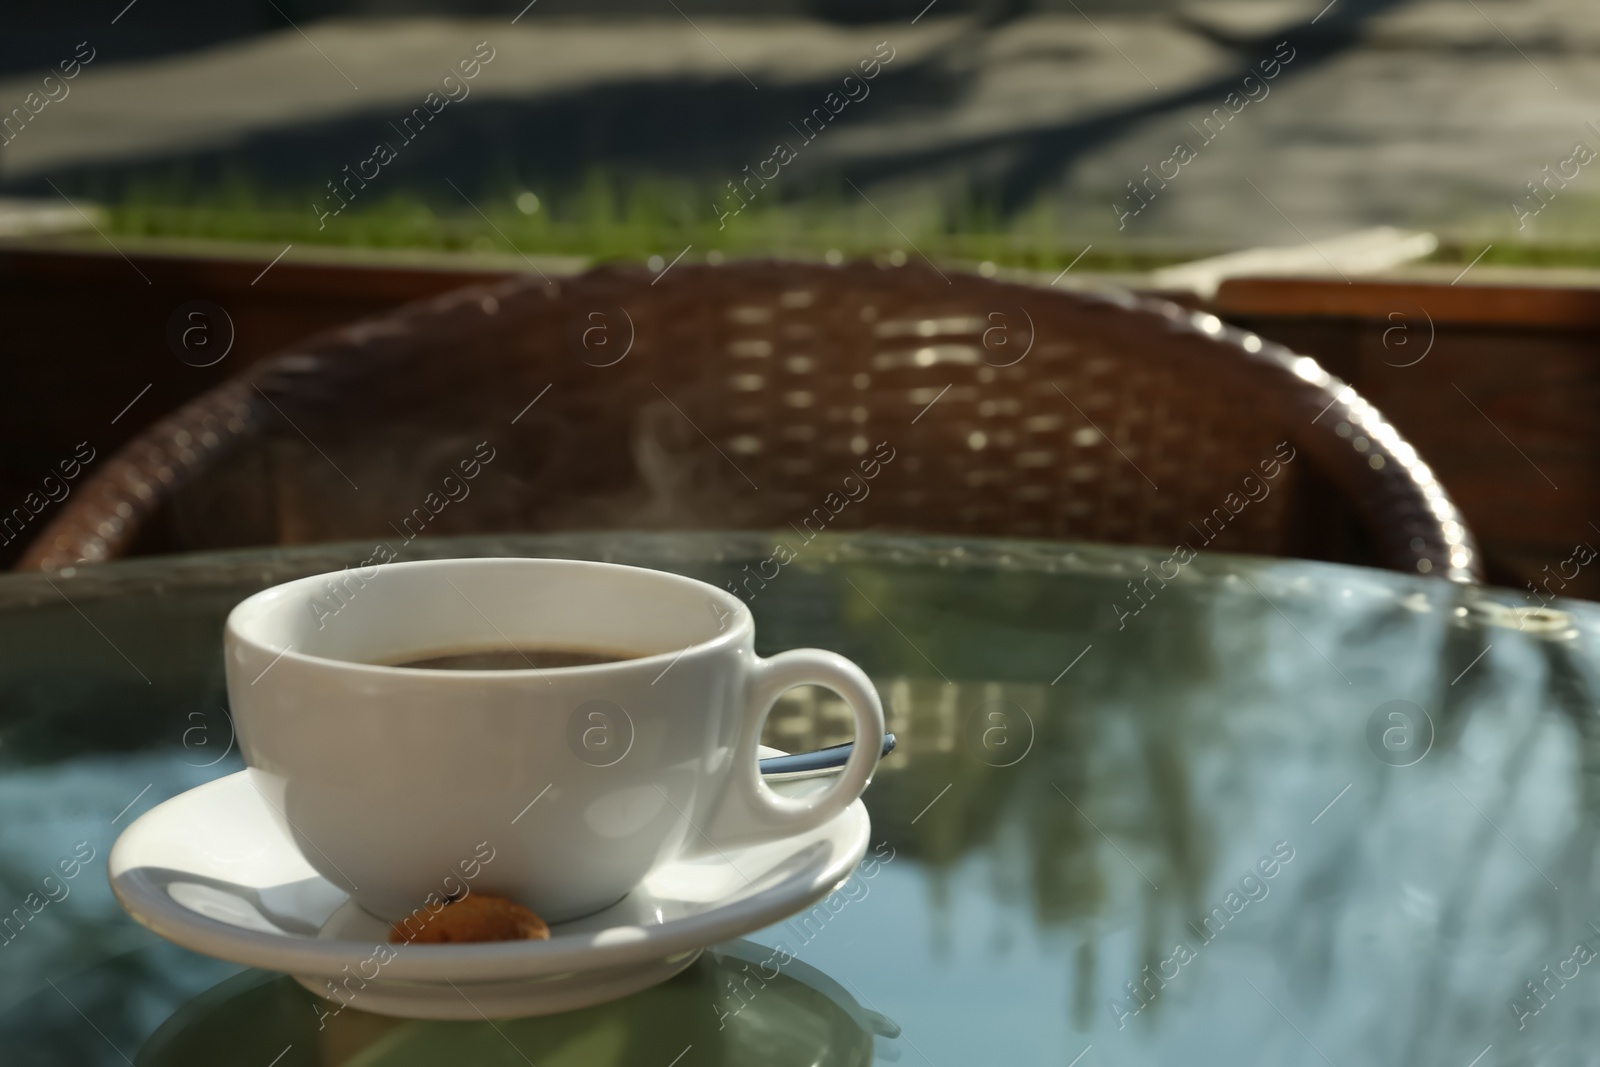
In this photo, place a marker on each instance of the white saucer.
(209, 870)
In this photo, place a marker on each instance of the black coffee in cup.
(506, 658)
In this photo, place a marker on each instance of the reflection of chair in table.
(781, 396)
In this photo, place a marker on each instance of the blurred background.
(296, 164)
(999, 130)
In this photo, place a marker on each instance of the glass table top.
(1238, 811)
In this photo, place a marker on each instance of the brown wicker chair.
(762, 396)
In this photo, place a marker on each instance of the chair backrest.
(793, 397)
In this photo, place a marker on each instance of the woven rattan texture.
(774, 396)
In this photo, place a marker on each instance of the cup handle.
(749, 810)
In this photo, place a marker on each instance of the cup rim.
(743, 624)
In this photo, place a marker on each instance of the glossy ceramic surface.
(395, 783)
(213, 870)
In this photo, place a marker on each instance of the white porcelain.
(213, 870)
(581, 781)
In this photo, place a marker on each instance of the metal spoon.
(815, 764)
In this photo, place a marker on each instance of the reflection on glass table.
(760, 1012)
(1267, 812)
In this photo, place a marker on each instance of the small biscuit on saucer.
(474, 918)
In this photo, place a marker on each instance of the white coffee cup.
(396, 782)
